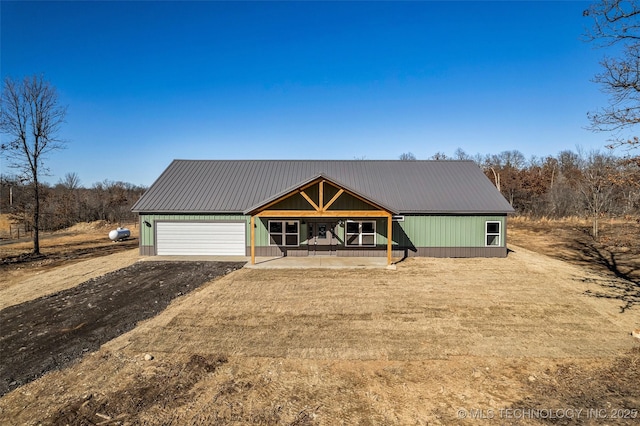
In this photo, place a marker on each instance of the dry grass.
(77, 237)
(430, 309)
(4, 221)
(411, 346)
(55, 269)
(615, 255)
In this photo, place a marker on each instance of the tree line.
(567, 184)
(571, 183)
(68, 202)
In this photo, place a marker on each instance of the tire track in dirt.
(53, 331)
(28, 283)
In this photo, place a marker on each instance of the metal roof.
(236, 186)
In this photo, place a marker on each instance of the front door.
(321, 238)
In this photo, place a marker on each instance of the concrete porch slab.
(287, 262)
(321, 262)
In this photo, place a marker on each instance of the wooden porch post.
(389, 238)
(253, 240)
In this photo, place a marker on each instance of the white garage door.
(197, 238)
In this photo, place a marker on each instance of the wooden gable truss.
(320, 208)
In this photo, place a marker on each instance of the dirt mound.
(5, 222)
(84, 227)
(61, 255)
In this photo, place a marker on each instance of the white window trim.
(360, 234)
(284, 233)
(487, 234)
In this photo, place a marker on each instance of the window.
(284, 233)
(361, 233)
(492, 233)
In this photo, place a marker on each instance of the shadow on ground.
(614, 257)
(624, 285)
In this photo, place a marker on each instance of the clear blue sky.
(147, 82)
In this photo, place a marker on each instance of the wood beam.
(300, 191)
(334, 213)
(320, 209)
(284, 197)
(310, 201)
(253, 240)
(335, 197)
(389, 238)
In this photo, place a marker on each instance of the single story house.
(323, 208)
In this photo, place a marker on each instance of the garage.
(201, 238)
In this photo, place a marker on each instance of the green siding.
(444, 231)
(415, 231)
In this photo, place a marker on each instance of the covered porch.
(321, 217)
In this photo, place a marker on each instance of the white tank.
(119, 234)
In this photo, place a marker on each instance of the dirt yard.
(56, 268)
(615, 255)
(53, 331)
(526, 340)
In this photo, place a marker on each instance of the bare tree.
(506, 169)
(617, 23)
(66, 200)
(459, 154)
(31, 116)
(439, 156)
(407, 156)
(71, 181)
(597, 185)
